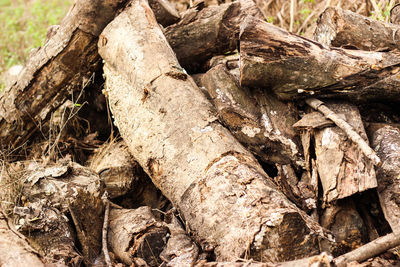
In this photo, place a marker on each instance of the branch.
(105, 228)
(342, 124)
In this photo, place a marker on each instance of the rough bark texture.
(171, 129)
(343, 28)
(295, 67)
(261, 122)
(116, 168)
(60, 67)
(70, 189)
(210, 31)
(14, 249)
(165, 12)
(136, 233)
(386, 142)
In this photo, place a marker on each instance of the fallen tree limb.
(221, 191)
(386, 142)
(370, 249)
(343, 28)
(206, 32)
(295, 67)
(62, 66)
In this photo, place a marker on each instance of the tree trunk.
(171, 129)
(295, 67)
(346, 29)
(204, 33)
(261, 122)
(62, 66)
(165, 12)
(136, 233)
(386, 142)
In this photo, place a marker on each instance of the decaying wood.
(62, 66)
(14, 248)
(295, 67)
(369, 250)
(44, 225)
(206, 32)
(343, 28)
(165, 12)
(386, 142)
(346, 224)
(351, 133)
(71, 189)
(261, 122)
(180, 249)
(221, 191)
(136, 233)
(116, 168)
(342, 168)
(322, 260)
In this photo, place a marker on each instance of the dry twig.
(105, 228)
(342, 124)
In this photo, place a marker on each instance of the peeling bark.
(294, 67)
(227, 200)
(62, 66)
(261, 122)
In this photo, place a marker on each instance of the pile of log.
(140, 136)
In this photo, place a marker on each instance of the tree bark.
(386, 142)
(346, 29)
(62, 66)
(261, 122)
(295, 67)
(171, 129)
(136, 233)
(204, 33)
(165, 12)
(14, 248)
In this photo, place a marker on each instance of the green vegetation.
(24, 25)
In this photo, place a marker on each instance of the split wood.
(342, 124)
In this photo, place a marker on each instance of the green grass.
(23, 25)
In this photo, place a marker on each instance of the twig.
(105, 228)
(342, 124)
(292, 5)
(370, 249)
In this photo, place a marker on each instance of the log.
(346, 29)
(294, 67)
(386, 142)
(14, 248)
(343, 169)
(136, 233)
(206, 32)
(165, 12)
(221, 191)
(261, 122)
(49, 232)
(62, 66)
(72, 190)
